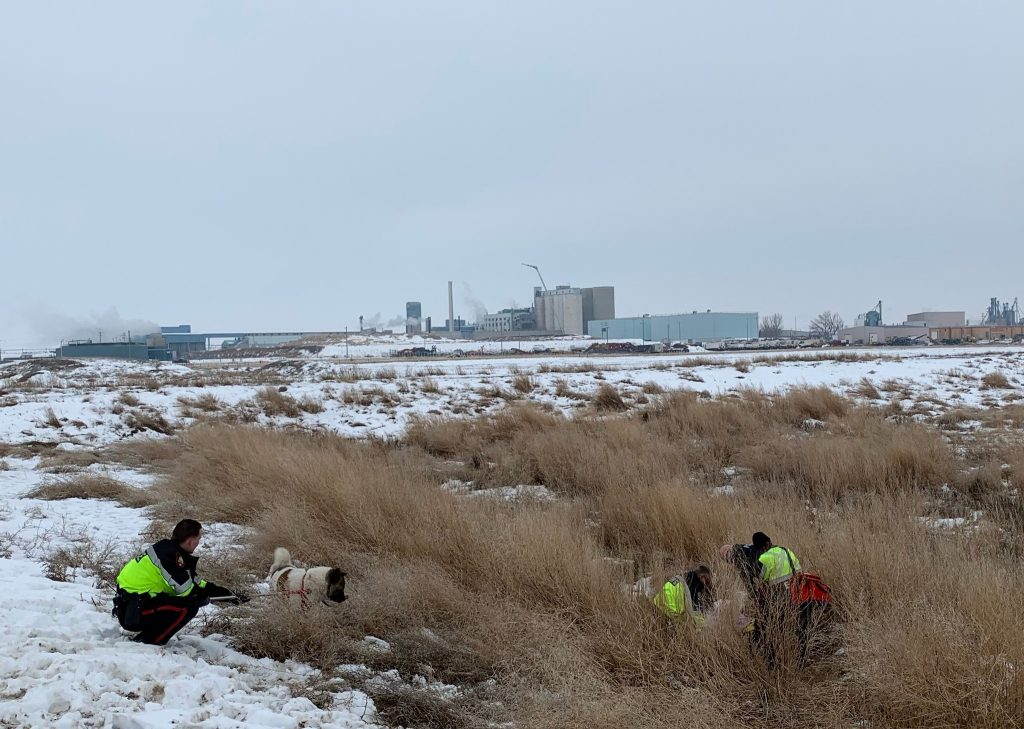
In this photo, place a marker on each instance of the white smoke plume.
(107, 325)
(475, 304)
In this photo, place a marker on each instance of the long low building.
(709, 326)
(112, 350)
(976, 333)
(881, 334)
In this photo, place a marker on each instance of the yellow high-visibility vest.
(675, 601)
(145, 575)
(778, 565)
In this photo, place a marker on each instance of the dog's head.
(336, 585)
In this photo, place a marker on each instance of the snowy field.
(101, 402)
(64, 661)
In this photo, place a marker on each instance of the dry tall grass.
(533, 594)
(273, 401)
(91, 486)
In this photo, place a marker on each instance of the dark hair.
(760, 540)
(185, 529)
(703, 569)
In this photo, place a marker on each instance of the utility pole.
(346, 340)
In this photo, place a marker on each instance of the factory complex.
(576, 312)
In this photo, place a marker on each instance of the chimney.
(451, 310)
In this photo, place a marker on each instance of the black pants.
(160, 618)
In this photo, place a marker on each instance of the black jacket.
(179, 568)
(744, 558)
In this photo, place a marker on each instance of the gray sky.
(283, 166)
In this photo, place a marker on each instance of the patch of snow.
(64, 661)
(376, 644)
(956, 522)
(522, 492)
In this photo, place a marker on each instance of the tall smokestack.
(451, 310)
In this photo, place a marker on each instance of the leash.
(302, 592)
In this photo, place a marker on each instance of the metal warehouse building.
(696, 327)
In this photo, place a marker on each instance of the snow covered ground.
(373, 346)
(104, 401)
(64, 661)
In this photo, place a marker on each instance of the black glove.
(200, 595)
(225, 596)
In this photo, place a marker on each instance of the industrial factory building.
(977, 333)
(507, 320)
(870, 329)
(570, 310)
(708, 326)
(413, 317)
(113, 350)
(937, 319)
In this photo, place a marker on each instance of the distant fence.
(13, 355)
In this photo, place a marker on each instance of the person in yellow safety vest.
(777, 565)
(158, 592)
(686, 596)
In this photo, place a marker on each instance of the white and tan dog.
(305, 586)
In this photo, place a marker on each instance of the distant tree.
(826, 325)
(771, 326)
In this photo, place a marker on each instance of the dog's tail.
(282, 558)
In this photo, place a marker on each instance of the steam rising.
(107, 325)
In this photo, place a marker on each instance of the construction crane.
(543, 285)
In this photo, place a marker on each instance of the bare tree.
(771, 326)
(826, 325)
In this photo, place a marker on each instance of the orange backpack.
(807, 587)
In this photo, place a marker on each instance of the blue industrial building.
(114, 350)
(696, 327)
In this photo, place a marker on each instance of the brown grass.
(50, 419)
(523, 383)
(139, 421)
(531, 594)
(310, 404)
(273, 402)
(609, 398)
(58, 459)
(866, 388)
(995, 381)
(205, 403)
(92, 486)
(429, 385)
(155, 454)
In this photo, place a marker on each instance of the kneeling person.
(687, 597)
(158, 592)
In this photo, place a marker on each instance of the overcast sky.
(289, 166)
